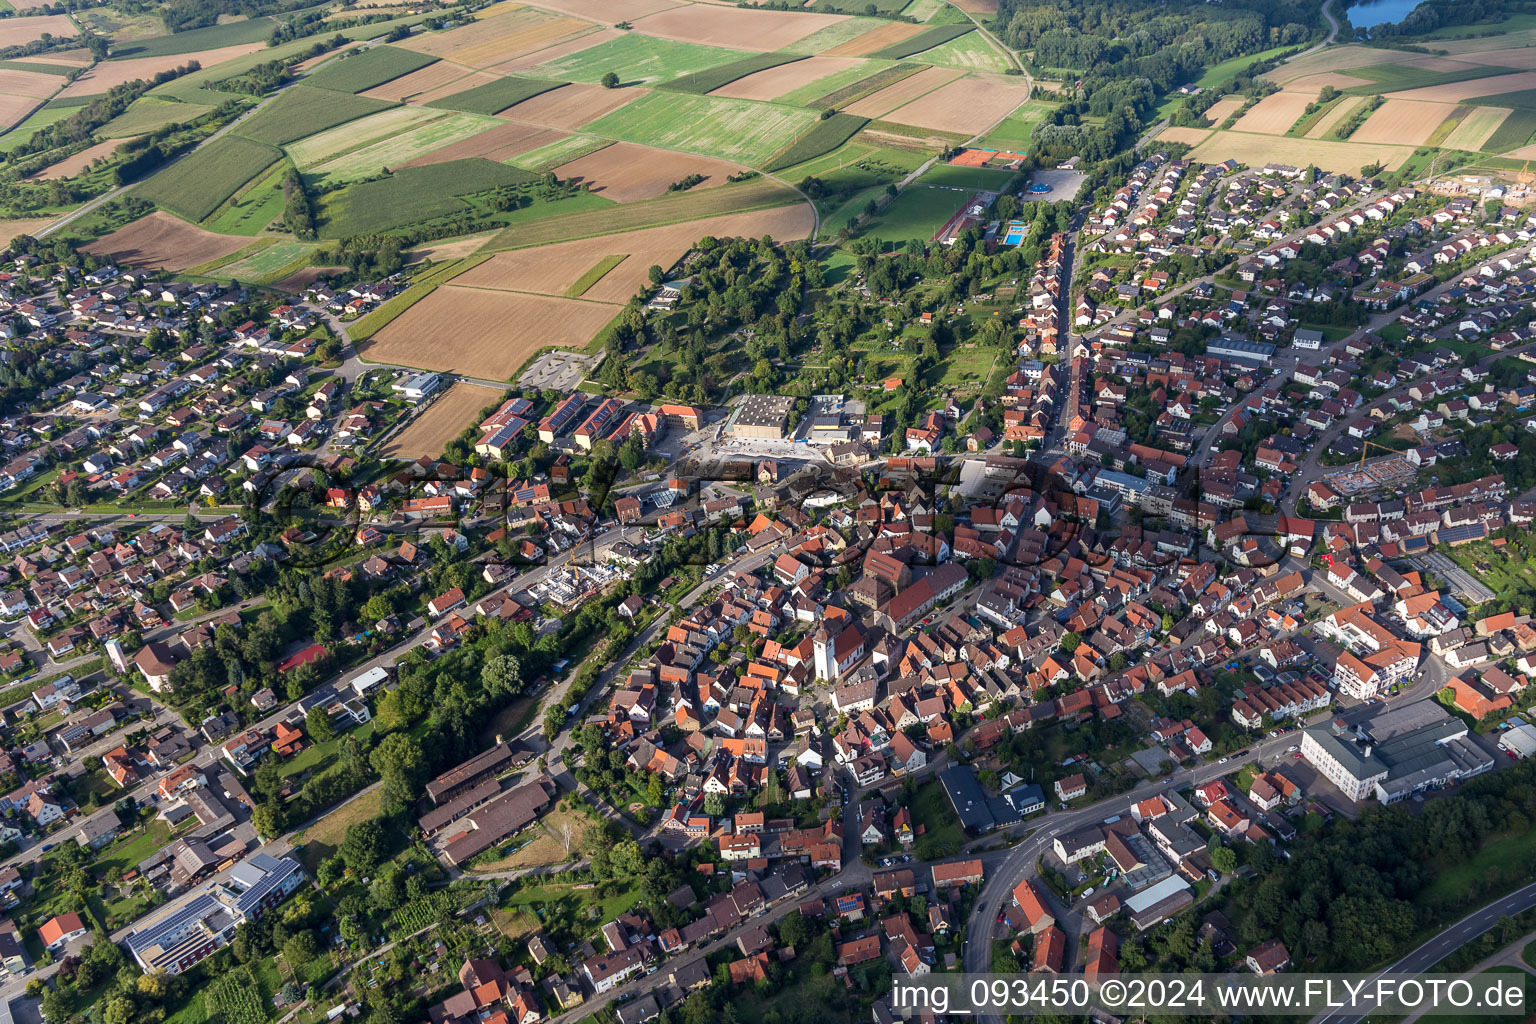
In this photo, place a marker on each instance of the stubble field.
(1258, 150)
(734, 26)
(444, 419)
(905, 91)
(500, 143)
(776, 82)
(1403, 122)
(1274, 114)
(968, 105)
(625, 172)
(571, 106)
(888, 34)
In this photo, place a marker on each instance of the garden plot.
(625, 172)
(905, 91)
(786, 78)
(571, 106)
(735, 26)
(1275, 113)
(732, 129)
(969, 105)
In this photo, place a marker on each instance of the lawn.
(373, 67)
(303, 110)
(322, 838)
(567, 905)
(250, 211)
(919, 212)
(126, 854)
(638, 60)
(728, 129)
(320, 756)
(541, 845)
(411, 195)
(939, 832)
(197, 184)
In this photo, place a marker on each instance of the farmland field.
(502, 144)
(625, 172)
(404, 148)
(1187, 136)
(365, 131)
(701, 82)
(1274, 114)
(552, 269)
(367, 70)
(412, 86)
(825, 136)
(1403, 122)
(303, 111)
(1325, 124)
(732, 129)
(199, 182)
(674, 208)
(1258, 150)
(905, 91)
(1427, 84)
(34, 84)
(20, 31)
(498, 39)
(262, 267)
(806, 73)
(585, 282)
(197, 41)
(9, 229)
(106, 74)
(443, 420)
(966, 106)
(834, 35)
(636, 59)
(970, 51)
(927, 39)
(1515, 130)
(734, 26)
(484, 333)
(886, 34)
(1014, 131)
(837, 73)
(494, 97)
(161, 240)
(81, 161)
(24, 131)
(571, 107)
(15, 109)
(411, 195)
(560, 150)
(247, 212)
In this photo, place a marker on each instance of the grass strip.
(866, 86)
(825, 136)
(925, 40)
(596, 274)
(710, 79)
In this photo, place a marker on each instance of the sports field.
(636, 59)
(447, 417)
(918, 212)
(731, 129)
(161, 240)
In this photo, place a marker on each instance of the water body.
(1380, 12)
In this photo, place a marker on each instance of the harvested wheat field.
(735, 27)
(1323, 125)
(73, 165)
(608, 12)
(625, 172)
(889, 34)
(36, 84)
(970, 105)
(1454, 92)
(499, 39)
(501, 144)
(903, 92)
(550, 269)
(14, 109)
(1223, 109)
(75, 58)
(1464, 49)
(9, 229)
(1258, 150)
(1403, 122)
(1335, 58)
(557, 50)
(571, 106)
(411, 86)
(1509, 57)
(1476, 128)
(1188, 136)
(1274, 114)
(485, 333)
(450, 249)
(429, 433)
(1313, 84)
(20, 31)
(118, 72)
(775, 82)
(161, 240)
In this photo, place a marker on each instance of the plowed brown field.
(160, 240)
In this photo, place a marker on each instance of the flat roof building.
(1394, 754)
(761, 416)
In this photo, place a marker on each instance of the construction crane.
(1365, 450)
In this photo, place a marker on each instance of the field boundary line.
(541, 295)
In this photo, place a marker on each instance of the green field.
(372, 67)
(1397, 77)
(1219, 74)
(271, 264)
(403, 147)
(992, 179)
(858, 164)
(1515, 131)
(673, 208)
(495, 96)
(968, 51)
(825, 135)
(253, 209)
(199, 182)
(253, 30)
(637, 60)
(561, 151)
(303, 111)
(149, 114)
(596, 274)
(1524, 99)
(740, 130)
(918, 213)
(24, 131)
(365, 131)
(701, 82)
(811, 94)
(859, 88)
(834, 35)
(47, 69)
(411, 195)
(1014, 132)
(924, 40)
